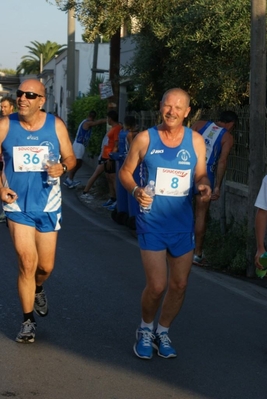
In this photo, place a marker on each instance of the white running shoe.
(86, 197)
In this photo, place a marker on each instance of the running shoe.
(199, 260)
(68, 183)
(86, 197)
(108, 202)
(112, 206)
(143, 347)
(40, 304)
(75, 183)
(2, 217)
(27, 332)
(162, 344)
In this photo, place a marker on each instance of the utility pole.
(71, 59)
(257, 130)
(114, 69)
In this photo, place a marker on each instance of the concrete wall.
(232, 205)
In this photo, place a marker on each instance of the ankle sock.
(38, 289)
(161, 329)
(28, 316)
(147, 325)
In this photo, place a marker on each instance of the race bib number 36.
(173, 182)
(29, 159)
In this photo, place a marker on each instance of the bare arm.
(227, 144)
(260, 230)
(66, 151)
(6, 194)
(88, 124)
(201, 179)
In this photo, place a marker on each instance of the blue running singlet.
(172, 169)
(23, 154)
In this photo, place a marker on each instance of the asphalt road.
(83, 348)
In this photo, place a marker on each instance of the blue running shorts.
(176, 244)
(44, 222)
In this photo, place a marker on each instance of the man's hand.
(7, 195)
(205, 192)
(215, 194)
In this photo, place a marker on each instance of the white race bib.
(29, 158)
(173, 182)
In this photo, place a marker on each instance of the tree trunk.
(257, 130)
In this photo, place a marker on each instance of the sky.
(25, 21)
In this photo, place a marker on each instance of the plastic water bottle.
(50, 160)
(149, 190)
(263, 261)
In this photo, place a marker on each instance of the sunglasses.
(28, 94)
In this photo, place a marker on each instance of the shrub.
(226, 251)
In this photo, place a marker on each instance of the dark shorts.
(1, 165)
(101, 161)
(44, 222)
(176, 244)
(111, 166)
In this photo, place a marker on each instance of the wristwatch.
(64, 168)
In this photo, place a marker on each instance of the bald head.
(179, 92)
(33, 85)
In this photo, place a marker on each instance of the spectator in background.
(7, 108)
(261, 221)
(111, 145)
(105, 164)
(219, 141)
(80, 143)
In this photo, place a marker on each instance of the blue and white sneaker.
(75, 183)
(143, 347)
(112, 206)
(68, 183)
(162, 344)
(108, 202)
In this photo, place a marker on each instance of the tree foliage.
(104, 17)
(201, 45)
(30, 64)
(6, 71)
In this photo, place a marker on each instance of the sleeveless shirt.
(172, 169)
(23, 152)
(212, 135)
(82, 135)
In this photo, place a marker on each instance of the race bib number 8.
(173, 182)
(29, 159)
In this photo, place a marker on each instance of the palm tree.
(31, 64)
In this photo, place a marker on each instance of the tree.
(104, 17)
(8, 71)
(202, 45)
(31, 64)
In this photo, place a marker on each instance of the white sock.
(161, 329)
(147, 325)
